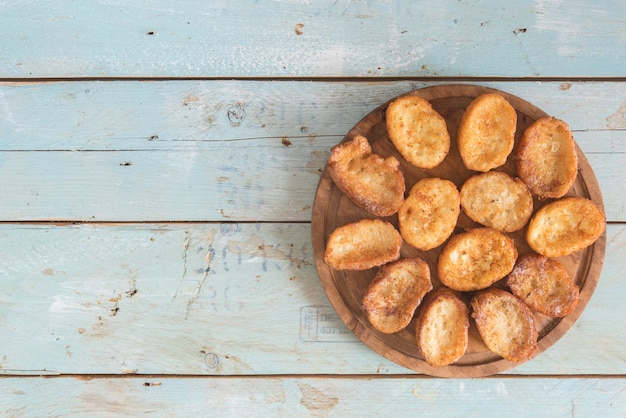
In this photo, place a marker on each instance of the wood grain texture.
(312, 39)
(179, 114)
(217, 150)
(212, 182)
(218, 299)
(148, 124)
(310, 396)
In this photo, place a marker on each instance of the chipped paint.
(618, 119)
(316, 400)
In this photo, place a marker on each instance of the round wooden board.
(345, 289)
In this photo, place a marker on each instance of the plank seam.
(135, 376)
(70, 223)
(324, 79)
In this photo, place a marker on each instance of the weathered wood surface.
(155, 200)
(313, 396)
(312, 38)
(219, 150)
(234, 292)
(179, 114)
(226, 299)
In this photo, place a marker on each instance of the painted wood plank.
(182, 150)
(177, 114)
(260, 180)
(219, 299)
(310, 396)
(256, 180)
(322, 38)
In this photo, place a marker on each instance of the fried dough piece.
(429, 214)
(487, 132)
(395, 292)
(374, 183)
(362, 245)
(442, 327)
(544, 285)
(417, 131)
(498, 201)
(546, 158)
(505, 323)
(475, 259)
(565, 226)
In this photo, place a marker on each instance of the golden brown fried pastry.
(475, 259)
(487, 132)
(505, 324)
(429, 213)
(362, 245)
(418, 132)
(565, 226)
(496, 200)
(546, 158)
(544, 285)
(442, 327)
(374, 183)
(395, 292)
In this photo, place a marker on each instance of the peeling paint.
(316, 400)
(618, 119)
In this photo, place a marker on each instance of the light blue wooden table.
(158, 163)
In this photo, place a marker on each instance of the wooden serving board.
(345, 289)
